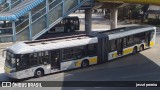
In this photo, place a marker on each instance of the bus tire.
(85, 63)
(39, 72)
(141, 48)
(134, 50)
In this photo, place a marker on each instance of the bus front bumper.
(12, 75)
(9, 74)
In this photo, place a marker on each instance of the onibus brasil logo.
(25, 84)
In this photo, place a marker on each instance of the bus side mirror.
(3, 53)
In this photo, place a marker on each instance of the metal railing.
(15, 3)
(42, 20)
(70, 9)
(5, 9)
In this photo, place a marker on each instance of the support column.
(47, 11)
(14, 31)
(88, 20)
(113, 18)
(10, 4)
(63, 10)
(30, 26)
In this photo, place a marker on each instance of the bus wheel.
(39, 73)
(85, 63)
(141, 48)
(134, 50)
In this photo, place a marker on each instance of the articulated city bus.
(68, 24)
(38, 58)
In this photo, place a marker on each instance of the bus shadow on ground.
(128, 68)
(134, 67)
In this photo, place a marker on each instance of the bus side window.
(43, 57)
(68, 54)
(46, 57)
(23, 61)
(33, 59)
(130, 40)
(139, 38)
(113, 45)
(79, 52)
(91, 49)
(125, 42)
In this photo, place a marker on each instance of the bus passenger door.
(147, 39)
(55, 59)
(119, 47)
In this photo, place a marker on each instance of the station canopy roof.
(19, 10)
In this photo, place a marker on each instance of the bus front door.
(55, 59)
(119, 47)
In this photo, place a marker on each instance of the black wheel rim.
(134, 50)
(141, 48)
(85, 64)
(39, 73)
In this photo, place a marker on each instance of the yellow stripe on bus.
(93, 60)
(114, 55)
(152, 43)
(78, 63)
(127, 51)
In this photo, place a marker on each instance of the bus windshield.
(10, 60)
